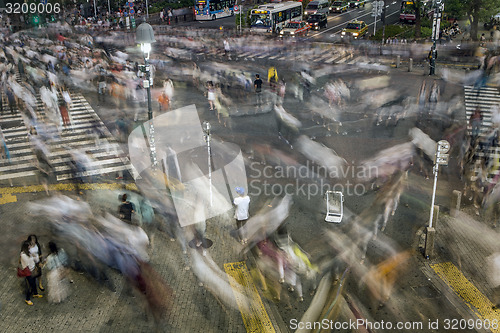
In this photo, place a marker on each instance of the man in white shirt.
(242, 203)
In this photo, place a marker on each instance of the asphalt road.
(358, 139)
(336, 22)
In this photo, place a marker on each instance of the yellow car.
(354, 29)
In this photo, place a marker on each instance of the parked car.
(295, 28)
(318, 21)
(339, 7)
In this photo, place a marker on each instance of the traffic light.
(382, 16)
(36, 19)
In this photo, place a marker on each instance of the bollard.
(410, 65)
(435, 216)
(398, 61)
(430, 236)
(456, 198)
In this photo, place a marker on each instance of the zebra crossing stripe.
(485, 98)
(106, 157)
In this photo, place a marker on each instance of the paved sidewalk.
(92, 307)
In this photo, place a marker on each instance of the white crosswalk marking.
(326, 55)
(486, 99)
(105, 153)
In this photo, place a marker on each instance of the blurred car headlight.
(354, 33)
(343, 32)
(292, 33)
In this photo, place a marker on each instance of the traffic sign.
(236, 9)
(131, 4)
(443, 146)
(132, 11)
(442, 159)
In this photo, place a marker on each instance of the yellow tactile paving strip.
(253, 312)
(8, 192)
(480, 305)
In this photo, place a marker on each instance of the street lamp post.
(206, 129)
(441, 158)
(145, 37)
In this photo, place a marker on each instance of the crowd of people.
(52, 66)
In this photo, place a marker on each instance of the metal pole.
(207, 131)
(109, 8)
(241, 12)
(95, 10)
(436, 170)
(383, 26)
(147, 10)
(376, 12)
(152, 145)
(436, 23)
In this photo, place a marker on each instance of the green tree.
(304, 5)
(418, 18)
(474, 10)
(245, 19)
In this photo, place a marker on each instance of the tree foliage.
(474, 11)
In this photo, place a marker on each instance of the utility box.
(334, 206)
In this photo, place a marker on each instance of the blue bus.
(213, 9)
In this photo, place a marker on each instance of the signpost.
(378, 6)
(239, 10)
(441, 158)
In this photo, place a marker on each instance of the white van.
(317, 6)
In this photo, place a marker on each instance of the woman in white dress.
(56, 280)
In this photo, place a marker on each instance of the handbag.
(37, 272)
(23, 272)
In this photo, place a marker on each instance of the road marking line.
(473, 298)
(5, 191)
(256, 319)
(7, 198)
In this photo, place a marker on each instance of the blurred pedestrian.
(475, 121)
(36, 252)
(163, 102)
(272, 78)
(211, 95)
(27, 260)
(242, 203)
(126, 209)
(433, 96)
(170, 16)
(101, 88)
(11, 99)
(56, 276)
(257, 84)
(63, 109)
